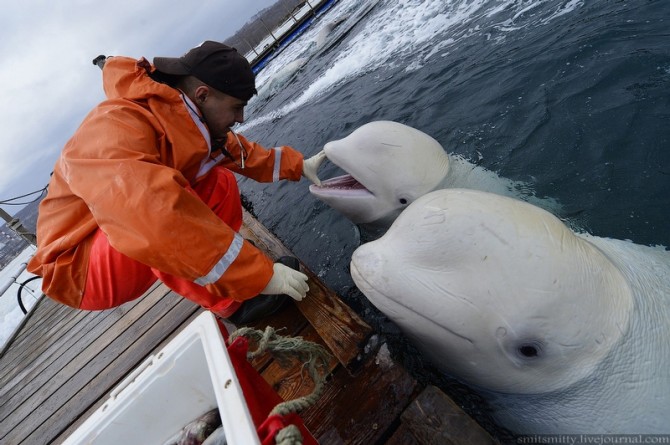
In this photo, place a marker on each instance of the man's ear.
(201, 94)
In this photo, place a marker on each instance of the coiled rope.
(313, 356)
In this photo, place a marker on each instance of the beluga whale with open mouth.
(389, 165)
(562, 332)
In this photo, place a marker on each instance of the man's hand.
(311, 165)
(288, 282)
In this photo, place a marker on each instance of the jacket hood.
(127, 78)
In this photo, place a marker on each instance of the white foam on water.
(304, 45)
(407, 32)
(567, 8)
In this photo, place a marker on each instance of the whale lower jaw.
(350, 198)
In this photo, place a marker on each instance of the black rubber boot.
(263, 305)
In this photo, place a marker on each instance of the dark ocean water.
(571, 97)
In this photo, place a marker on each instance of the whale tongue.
(339, 185)
(344, 182)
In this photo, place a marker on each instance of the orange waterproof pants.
(114, 279)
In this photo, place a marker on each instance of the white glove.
(311, 165)
(288, 282)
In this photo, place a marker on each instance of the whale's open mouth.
(340, 185)
(344, 182)
(344, 187)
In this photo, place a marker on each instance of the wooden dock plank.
(46, 312)
(35, 393)
(402, 436)
(361, 409)
(128, 351)
(338, 325)
(44, 319)
(288, 322)
(87, 413)
(293, 381)
(434, 419)
(86, 346)
(37, 363)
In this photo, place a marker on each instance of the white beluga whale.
(335, 31)
(389, 165)
(282, 77)
(286, 74)
(326, 32)
(330, 34)
(561, 332)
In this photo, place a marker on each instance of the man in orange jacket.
(144, 190)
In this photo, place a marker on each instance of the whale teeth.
(344, 182)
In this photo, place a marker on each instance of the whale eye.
(403, 201)
(529, 350)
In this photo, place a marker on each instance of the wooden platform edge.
(343, 331)
(362, 409)
(434, 419)
(20, 326)
(376, 401)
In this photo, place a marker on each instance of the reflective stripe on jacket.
(126, 170)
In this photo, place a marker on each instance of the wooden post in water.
(311, 8)
(250, 46)
(290, 13)
(16, 226)
(268, 29)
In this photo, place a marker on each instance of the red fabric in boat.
(260, 397)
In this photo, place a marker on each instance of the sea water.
(570, 97)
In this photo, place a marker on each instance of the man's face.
(220, 112)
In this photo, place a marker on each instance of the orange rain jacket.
(126, 169)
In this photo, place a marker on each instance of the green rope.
(313, 356)
(289, 436)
